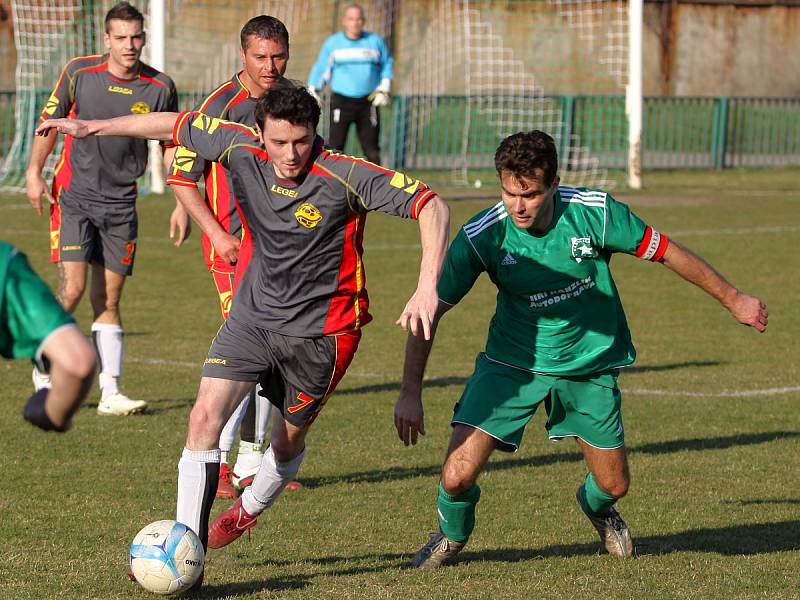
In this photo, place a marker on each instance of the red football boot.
(230, 525)
(225, 487)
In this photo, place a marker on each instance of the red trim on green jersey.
(653, 245)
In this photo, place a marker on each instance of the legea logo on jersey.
(206, 123)
(140, 108)
(116, 89)
(51, 106)
(582, 248)
(184, 158)
(283, 191)
(308, 215)
(404, 182)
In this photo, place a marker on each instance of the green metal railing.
(678, 132)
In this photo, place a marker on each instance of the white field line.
(633, 391)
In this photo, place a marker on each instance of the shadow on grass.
(692, 445)
(248, 588)
(736, 540)
(672, 367)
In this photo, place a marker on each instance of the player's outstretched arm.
(747, 310)
(151, 126)
(409, 416)
(180, 225)
(434, 227)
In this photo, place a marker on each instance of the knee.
(286, 449)
(70, 295)
(203, 421)
(457, 479)
(616, 485)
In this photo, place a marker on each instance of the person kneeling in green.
(33, 325)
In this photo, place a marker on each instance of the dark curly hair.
(520, 154)
(293, 104)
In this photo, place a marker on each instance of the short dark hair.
(265, 27)
(292, 104)
(124, 11)
(520, 154)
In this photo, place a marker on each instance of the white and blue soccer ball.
(166, 557)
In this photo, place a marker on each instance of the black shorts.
(98, 232)
(297, 374)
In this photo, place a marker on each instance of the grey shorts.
(98, 232)
(297, 375)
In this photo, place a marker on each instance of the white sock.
(263, 412)
(228, 435)
(108, 341)
(198, 474)
(249, 457)
(270, 480)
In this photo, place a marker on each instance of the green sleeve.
(461, 269)
(30, 311)
(623, 229)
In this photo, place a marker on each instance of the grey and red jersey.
(306, 276)
(231, 101)
(105, 167)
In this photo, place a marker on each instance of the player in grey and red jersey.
(92, 213)
(297, 314)
(265, 55)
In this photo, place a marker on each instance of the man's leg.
(253, 438)
(339, 123)
(225, 487)
(458, 495)
(108, 338)
(278, 468)
(607, 481)
(368, 127)
(71, 285)
(198, 468)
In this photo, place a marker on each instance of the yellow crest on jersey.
(404, 182)
(140, 108)
(308, 215)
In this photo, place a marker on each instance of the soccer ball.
(166, 557)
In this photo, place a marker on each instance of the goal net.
(467, 72)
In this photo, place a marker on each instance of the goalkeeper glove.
(380, 95)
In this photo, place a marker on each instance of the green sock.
(594, 500)
(457, 513)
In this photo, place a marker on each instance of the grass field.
(711, 409)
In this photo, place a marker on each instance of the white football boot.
(119, 404)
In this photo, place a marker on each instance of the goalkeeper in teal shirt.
(558, 336)
(34, 325)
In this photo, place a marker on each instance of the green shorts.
(500, 400)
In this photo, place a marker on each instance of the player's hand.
(73, 127)
(315, 94)
(379, 98)
(751, 311)
(227, 246)
(417, 316)
(180, 225)
(409, 418)
(35, 188)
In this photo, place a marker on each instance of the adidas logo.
(508, 260)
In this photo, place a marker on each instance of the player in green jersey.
(558, 336)
(33, 325)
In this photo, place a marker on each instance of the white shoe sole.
(106, 412)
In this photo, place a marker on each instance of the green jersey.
(558, 310)
(28, 310)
